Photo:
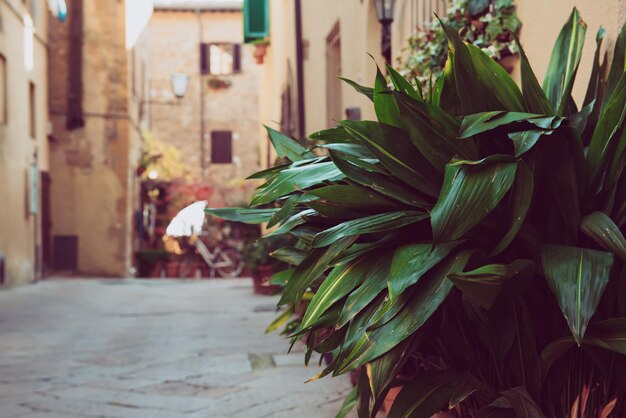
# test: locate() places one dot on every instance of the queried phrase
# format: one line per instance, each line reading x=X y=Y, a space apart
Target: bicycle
x=224 y=259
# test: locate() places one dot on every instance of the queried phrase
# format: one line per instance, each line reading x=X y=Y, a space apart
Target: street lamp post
x=384 y=11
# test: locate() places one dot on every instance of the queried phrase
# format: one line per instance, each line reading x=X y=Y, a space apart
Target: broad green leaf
x=332 y=135
x=604 y=139
x=382 y=371
x=433 y=132
x=400 y=83
x=595 y=80
x=353 y=196
x=281 y=277
x=521 y=197
x=431 y=393
x=298 y=178
x=289 y=255
x=280 y=321
x=410 y=262
x=340 y=281
x=379 y=183
x=481 y=83
x=471 y=189
x=366 y=91
x=534 y=97
x=482 y=122
x=524 y=141
x=496 y=81
x=577 y=276
x=522 y=403
x=268 y=173
x=397 y=153
x=599 y=227
x=288 y=147
x=367 y=225
x=431 y=291
x=311 y=268
x=609 y=334
x=350 y=149
x=384 y=103
x=288 y=208
x=245 y=215
x=294 y=220
x=481 y=285
x=564 y=61
x=375 y=283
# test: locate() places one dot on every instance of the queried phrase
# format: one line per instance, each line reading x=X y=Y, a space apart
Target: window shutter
x=221 y=147
x=205 y=59
x=255 y=19
x=75 y=68
x=236 y=58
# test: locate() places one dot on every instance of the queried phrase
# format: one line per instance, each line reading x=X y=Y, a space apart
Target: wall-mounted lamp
x=384 y=11
x=180 y=81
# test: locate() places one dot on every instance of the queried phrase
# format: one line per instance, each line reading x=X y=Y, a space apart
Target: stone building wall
x=92 y=166
x=175 y=46
x=23 y=48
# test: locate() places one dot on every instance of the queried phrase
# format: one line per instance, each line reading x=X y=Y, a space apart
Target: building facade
x=337 y=36
x=96 y=119
x=215 y=123
x=24 y=168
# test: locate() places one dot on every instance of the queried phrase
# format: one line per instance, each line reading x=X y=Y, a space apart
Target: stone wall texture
x=92 y=167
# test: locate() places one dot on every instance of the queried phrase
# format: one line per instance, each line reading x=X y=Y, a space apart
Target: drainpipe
x=201 y=81
x=300 y=71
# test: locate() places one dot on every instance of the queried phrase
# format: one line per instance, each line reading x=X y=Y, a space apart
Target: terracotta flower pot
x=260 y=279
x=260 y=50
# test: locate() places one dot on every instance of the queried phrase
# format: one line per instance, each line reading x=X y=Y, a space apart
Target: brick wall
x=175 y=39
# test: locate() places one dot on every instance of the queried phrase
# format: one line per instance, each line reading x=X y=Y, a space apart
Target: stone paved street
x=154 y=349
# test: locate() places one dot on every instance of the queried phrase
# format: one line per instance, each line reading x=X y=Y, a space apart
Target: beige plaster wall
x=20 y=232
x=175 y=48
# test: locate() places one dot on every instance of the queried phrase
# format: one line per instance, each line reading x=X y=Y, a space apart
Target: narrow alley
x=154 y=349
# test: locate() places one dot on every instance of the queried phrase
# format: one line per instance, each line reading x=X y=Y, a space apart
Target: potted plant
x=150 y=261
x=490 y=26
x=262 y=266
x=475 y=232
x=216 y=82
x=260 y=49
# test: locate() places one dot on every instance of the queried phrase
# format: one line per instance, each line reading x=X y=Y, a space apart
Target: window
x=32 y=107
x=3 y=90
x=221 y=147
x=220 y=58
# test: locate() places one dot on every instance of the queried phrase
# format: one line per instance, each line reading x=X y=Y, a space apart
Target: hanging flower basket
x=260 y=50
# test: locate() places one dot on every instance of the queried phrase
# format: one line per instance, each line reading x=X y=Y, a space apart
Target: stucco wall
x=175 y=49
x=20 y=232
x=90 y=166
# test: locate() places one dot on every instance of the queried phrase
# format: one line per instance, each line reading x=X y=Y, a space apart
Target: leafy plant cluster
x=468 y=245
x=486 y=24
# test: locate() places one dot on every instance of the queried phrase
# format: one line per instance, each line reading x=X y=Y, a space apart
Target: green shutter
x=256 y=19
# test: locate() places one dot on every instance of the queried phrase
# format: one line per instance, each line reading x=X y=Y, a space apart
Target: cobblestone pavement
x=153 y=349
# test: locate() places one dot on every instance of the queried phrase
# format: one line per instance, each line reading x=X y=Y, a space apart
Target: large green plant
x=469 y=244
